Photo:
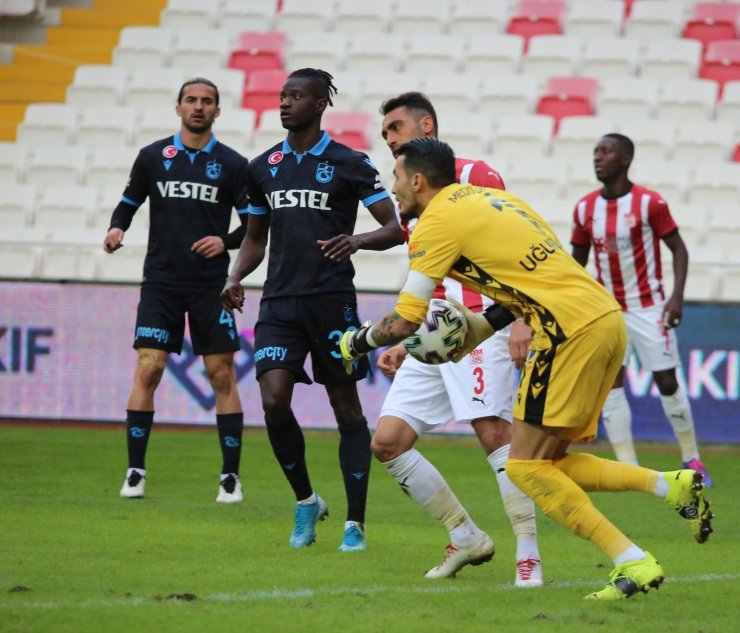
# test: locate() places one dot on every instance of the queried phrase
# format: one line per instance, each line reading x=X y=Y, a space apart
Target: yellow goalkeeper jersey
x=494 y=242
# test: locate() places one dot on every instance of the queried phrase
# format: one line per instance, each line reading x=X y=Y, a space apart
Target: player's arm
x=580 y=240
x=134 y=195
x=580 y=253
x=251 y=253
x=673 y=310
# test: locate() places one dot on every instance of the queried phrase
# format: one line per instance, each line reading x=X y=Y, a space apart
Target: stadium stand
x=665 y=72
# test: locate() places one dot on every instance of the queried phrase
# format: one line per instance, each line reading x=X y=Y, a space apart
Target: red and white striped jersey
x=625 y=233
x=474 y=172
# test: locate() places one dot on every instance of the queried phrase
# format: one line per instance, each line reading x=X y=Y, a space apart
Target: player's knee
x=222 y=378
x=149 y=369
x=493 y=433
x=666 y=382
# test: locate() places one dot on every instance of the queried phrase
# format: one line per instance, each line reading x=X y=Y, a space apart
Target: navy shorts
x=290 y=328
x=160 y=321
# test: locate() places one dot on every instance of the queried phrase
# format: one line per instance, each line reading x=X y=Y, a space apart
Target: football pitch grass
x=76 y=557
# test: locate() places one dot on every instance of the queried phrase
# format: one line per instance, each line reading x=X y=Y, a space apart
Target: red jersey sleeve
x=481 y=174
x=659 y=216
x=579 y=236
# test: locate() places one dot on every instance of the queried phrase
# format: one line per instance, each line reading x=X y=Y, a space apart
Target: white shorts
x=656 y=347
x=481 y=385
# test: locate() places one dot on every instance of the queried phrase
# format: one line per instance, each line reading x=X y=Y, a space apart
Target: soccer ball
x=440 y=335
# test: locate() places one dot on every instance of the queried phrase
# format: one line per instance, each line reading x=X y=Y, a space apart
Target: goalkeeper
x=493 y=242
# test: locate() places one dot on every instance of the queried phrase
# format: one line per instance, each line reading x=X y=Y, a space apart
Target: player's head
x=423 y=167
x=613 y=156
x=197 y=104
x=303 y=98
x=408 y=116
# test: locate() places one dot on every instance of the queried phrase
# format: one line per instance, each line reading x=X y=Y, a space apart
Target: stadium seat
x=95 y=84
x=152 y=86
x=716 y=184
x=155 y=123
x=71 y=254
x=728 y=109
x=234 y=127
x=669 y=178
x=477 y=17
x=384 y=270
x=702 y=282
x=109 y=166
x=56 y=165
x=350 y=128
x=16 y=206
x=523 y=135
x=349 y=86
x=578 y=136
x=493 y=54
x=262 y=91
x=581 y=180
x=297 y=16
x=730 y=284
x=627 y=97
x=374 y=52
x=13 y=158
x=105 y=126
x=269 y=132
x=536 y=178
x=68 y=206
x=692 y=218
x=537 y=17
x=568 y=96
x=670 y=59
x=230 y=82
x=712 y=21
x=379 y=86
x=420 y=17
x=255 y=50
x=316 y=50
x=108 y=198
x=468 y=135
x=653 y=19
x=550 y=55
x=653 y=138
x=19 y=260
x=142 y=47
x=203 y=48
x=238 y=16
x=500 y=95
x=353 y=17
x=610 y=57
x=48 y=123
x=440 y=54
x=687 y=99
x=188 y=14
x=594 y=18
x=722 y=62
x=453 y=93
x=125 y=265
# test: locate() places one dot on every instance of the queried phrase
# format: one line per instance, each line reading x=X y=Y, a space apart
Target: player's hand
x=113 y=241
x=390 y=360
x=479 y=329
x=209 y=246
x=672 y=313
x=338 y=247
x=232 y=296
x=348 y=350
x=520 y=339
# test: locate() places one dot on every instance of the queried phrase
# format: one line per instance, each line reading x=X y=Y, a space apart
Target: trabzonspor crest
x=213 y=169
x=324 y=173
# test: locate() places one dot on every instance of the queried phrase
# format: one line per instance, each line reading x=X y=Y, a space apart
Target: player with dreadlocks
x=304 y=193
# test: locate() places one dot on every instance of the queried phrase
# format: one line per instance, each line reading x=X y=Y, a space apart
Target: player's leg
x=280 y=351
x=617 y=417
x=657 y=349
x=160 y=326
x=481 y=388
x=416 y=402
x=214 y=336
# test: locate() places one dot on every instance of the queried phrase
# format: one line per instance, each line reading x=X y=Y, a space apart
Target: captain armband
x=498 y=316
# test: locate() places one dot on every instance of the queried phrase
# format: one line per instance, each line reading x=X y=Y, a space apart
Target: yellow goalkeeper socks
x=596 y=474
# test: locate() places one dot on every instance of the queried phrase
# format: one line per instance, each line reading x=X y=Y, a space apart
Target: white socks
x=618 y=424
x=631 y=553
x=518 y=506
x=678 y=411
x=424 y=484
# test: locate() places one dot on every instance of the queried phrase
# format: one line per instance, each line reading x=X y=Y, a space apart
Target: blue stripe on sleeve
x=243 y=211
x=257 y=210
x=381 y=195
x=131 y=202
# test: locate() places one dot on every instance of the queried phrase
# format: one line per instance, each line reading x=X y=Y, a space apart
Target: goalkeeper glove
x=481 y=325
x=354 y=345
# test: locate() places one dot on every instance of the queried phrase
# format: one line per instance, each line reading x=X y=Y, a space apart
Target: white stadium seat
x=200 y=48
x=716 y=184
x=523 y=135
x=477 y=17
x=349 y=86
x=16 y=206
x=71 y=254
x=230 y=83
x=669 y=178
x=65 y=206
x=240 y=16
x=155 y=124
x=48 y=123
x=491 y=55
x=142 y=47
x=385 y=270
x=577 y=136
x=97 y=84
x=670 y=58
x=420 y=17
x=687 y=99
x=536 y=178
x=454 y=93
x=703 y=141
x=594 y=18
x=105 y=126
x=380 y=86
x=503 y=94
x=187 y=14
x=155 y=86
x=551 y=55
x=125 y=265
x=627 y=97
x=13 y=158
x=299 y=16
x=269 y=132
x=609 y=56
x=581 y=180
x=234 y=128
x=439 y=54
x=468 y=135
x=653 y=138
x=651 y=19
x=728 y=109
x=316 y=50
x=19 y=260
x=56 y=165
x=374 y=52
x=359 y=16
x=110 y=166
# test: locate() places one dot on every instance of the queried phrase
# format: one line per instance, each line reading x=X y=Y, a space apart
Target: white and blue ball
x=440 y=336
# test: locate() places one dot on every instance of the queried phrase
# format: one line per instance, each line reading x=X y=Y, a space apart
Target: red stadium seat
x=259 y=51
x=262 y=91
x=568 y=96
x=721 y=62
x=712 y=21
x=351 y=128
x=736 y=154
x=537 y=17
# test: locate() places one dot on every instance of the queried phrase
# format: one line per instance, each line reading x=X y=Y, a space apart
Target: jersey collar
x=207 y=149
x=316 y=150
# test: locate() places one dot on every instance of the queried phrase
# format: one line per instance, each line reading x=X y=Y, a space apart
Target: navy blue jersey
x=191 y=195
x=309 y=197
